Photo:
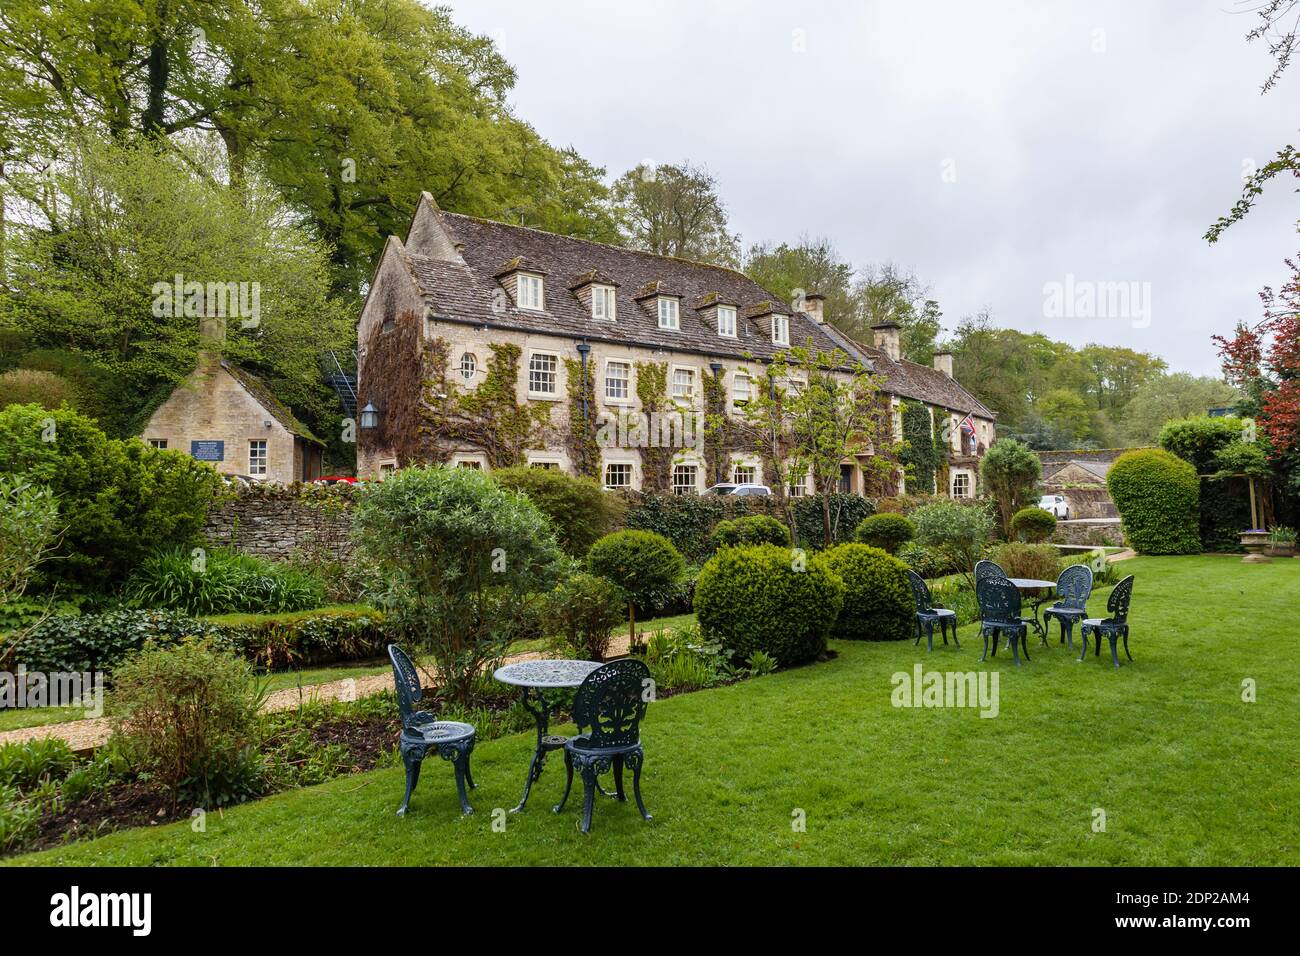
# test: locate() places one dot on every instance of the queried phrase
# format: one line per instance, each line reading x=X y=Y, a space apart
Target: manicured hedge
x=75 y=643
x=751 y=529
x=687 y=520
x=770 y=599
x=887 y=531
x=1158 y=497
x=878 y=604
x=1032 y=524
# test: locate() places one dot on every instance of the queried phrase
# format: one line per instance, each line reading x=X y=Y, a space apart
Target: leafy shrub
x=23 y=386
x=97 y=642
x=924 y=561
x=760 y=664
x=1213 y=446
x=751 y=529
x=1198 y=440
x=218 y=581
x=18 y=818
x=680 y=659
x=1009 y=472
x=306 y=638
x=1039 y=561
x=25 y=765
x=117 y=500
x=462 y=556
x=687 y=520
x=878 y=603
x=582 y=613
x=29 y=525
x=1158 y=498
x=640 y=562
x=886 y=531
x=188 y=716
x=672 y=599
x=956 y=534
x=1103 y=572
x=580 y=509
x=1033 y=524
x=753 y=599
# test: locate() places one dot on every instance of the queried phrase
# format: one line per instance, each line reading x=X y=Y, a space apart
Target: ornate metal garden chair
x=609 y=705
x=1115 y=626
x=421 y=732
x=1073 y=588
x=927 y=614
x=986 y=570
x=999 y=603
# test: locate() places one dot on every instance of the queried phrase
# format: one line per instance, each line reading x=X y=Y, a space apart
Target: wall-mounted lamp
x=369 y=416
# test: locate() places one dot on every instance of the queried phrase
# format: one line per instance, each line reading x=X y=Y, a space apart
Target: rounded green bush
x=887 y=531
x=1034 y=525
x=751 y=529
x=878 y=603
x=1158 y=496
x=769 y=599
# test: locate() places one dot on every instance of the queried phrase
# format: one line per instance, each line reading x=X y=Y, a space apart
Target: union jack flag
x=968 y=426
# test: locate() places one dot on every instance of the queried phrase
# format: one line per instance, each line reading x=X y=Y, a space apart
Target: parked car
x=727 y=488
x=1056 y=504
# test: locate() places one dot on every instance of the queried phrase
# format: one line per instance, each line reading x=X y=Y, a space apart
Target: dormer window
x=668 y=317
x=727 y=321
x=602 y=302
x=528 y=294
x=780 y=329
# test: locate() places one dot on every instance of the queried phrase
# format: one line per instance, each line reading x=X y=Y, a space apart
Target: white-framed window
x=727 y=321
x=745 y=474
x=961 y=484
x=470 y=463
x=795 y=387
x=159 y=443
x=618 y=474
x=685 y=479
x=528 y=292
x=780 y=330
x=799 y=487
x=386 y=468
x=602 y=302
x=668 y=318
x=742 y=389
x=683 y=384
x=543 y=374
x=618 y=381
x=257 y=456
x=468 y=365
x=544 y=464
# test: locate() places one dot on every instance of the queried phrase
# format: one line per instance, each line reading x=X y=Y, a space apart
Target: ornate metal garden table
x=535 y=678
x=1033 y=584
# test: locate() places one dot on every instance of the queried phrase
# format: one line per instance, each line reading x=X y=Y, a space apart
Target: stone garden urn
x=1256 y=542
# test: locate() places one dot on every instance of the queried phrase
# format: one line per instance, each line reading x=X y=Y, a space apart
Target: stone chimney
x=212 y=336
x=886 y=338
x=943 y=362
x=812 y=307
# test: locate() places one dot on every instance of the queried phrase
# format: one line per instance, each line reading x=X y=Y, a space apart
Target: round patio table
x=535 y=678
x=1033 y=584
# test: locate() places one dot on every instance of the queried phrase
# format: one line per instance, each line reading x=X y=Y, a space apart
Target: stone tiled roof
x=467 y=292
x=910 y=380
x=274 y=407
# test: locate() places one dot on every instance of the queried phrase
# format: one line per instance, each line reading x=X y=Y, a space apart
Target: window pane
x=541 y=374
x=616 y=381
x=684 y=479
x=257 y=457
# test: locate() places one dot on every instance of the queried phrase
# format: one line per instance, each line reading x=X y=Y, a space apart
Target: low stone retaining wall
x=1090 y=533
x=1089 y=502
x=277 y=521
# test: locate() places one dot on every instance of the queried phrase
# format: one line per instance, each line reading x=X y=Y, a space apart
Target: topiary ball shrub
x=752 y=529
x=878 y=603
x=1034 y=525
x=757 y=599
x=887 y=531
x=1158 y=497
x=642 y=563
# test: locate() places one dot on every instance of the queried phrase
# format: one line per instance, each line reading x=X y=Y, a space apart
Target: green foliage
x=878 y=603
x=29 y=525
x=1243 y=458
x=924 y=561
x=1103 y=572
x=117 y=499
x=1033 y=524
x=1039 y=561
x=1009 y=472
x=305 y=638
x=680 y=659
x=641 y=563
x=25 y=386
x=188 y=715
x=1199 y=440
x=1215 y=448
x=766 y=598
x=955 y=534
x=887 y=531
x=26 y=765
x=751 y=529
x=688 y=520
x=674 y=210
x=97 y=642
x=462 y=556
x=580 y=509
x=921 y=455
x=1158 y=497
x=581 y=614
x=218 y=581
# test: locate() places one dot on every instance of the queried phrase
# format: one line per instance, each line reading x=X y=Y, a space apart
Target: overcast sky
x=992 y=147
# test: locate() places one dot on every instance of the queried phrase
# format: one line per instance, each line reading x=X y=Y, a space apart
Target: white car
x=727 y=488
x=1057 y=505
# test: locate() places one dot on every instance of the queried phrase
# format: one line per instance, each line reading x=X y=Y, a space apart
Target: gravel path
x=84 y=735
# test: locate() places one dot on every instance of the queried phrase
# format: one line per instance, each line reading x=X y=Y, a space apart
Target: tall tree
x=674 y=210
x=809 y=265
x=887 y=293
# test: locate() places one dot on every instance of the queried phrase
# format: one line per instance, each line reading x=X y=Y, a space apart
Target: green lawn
x=1185 y=771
